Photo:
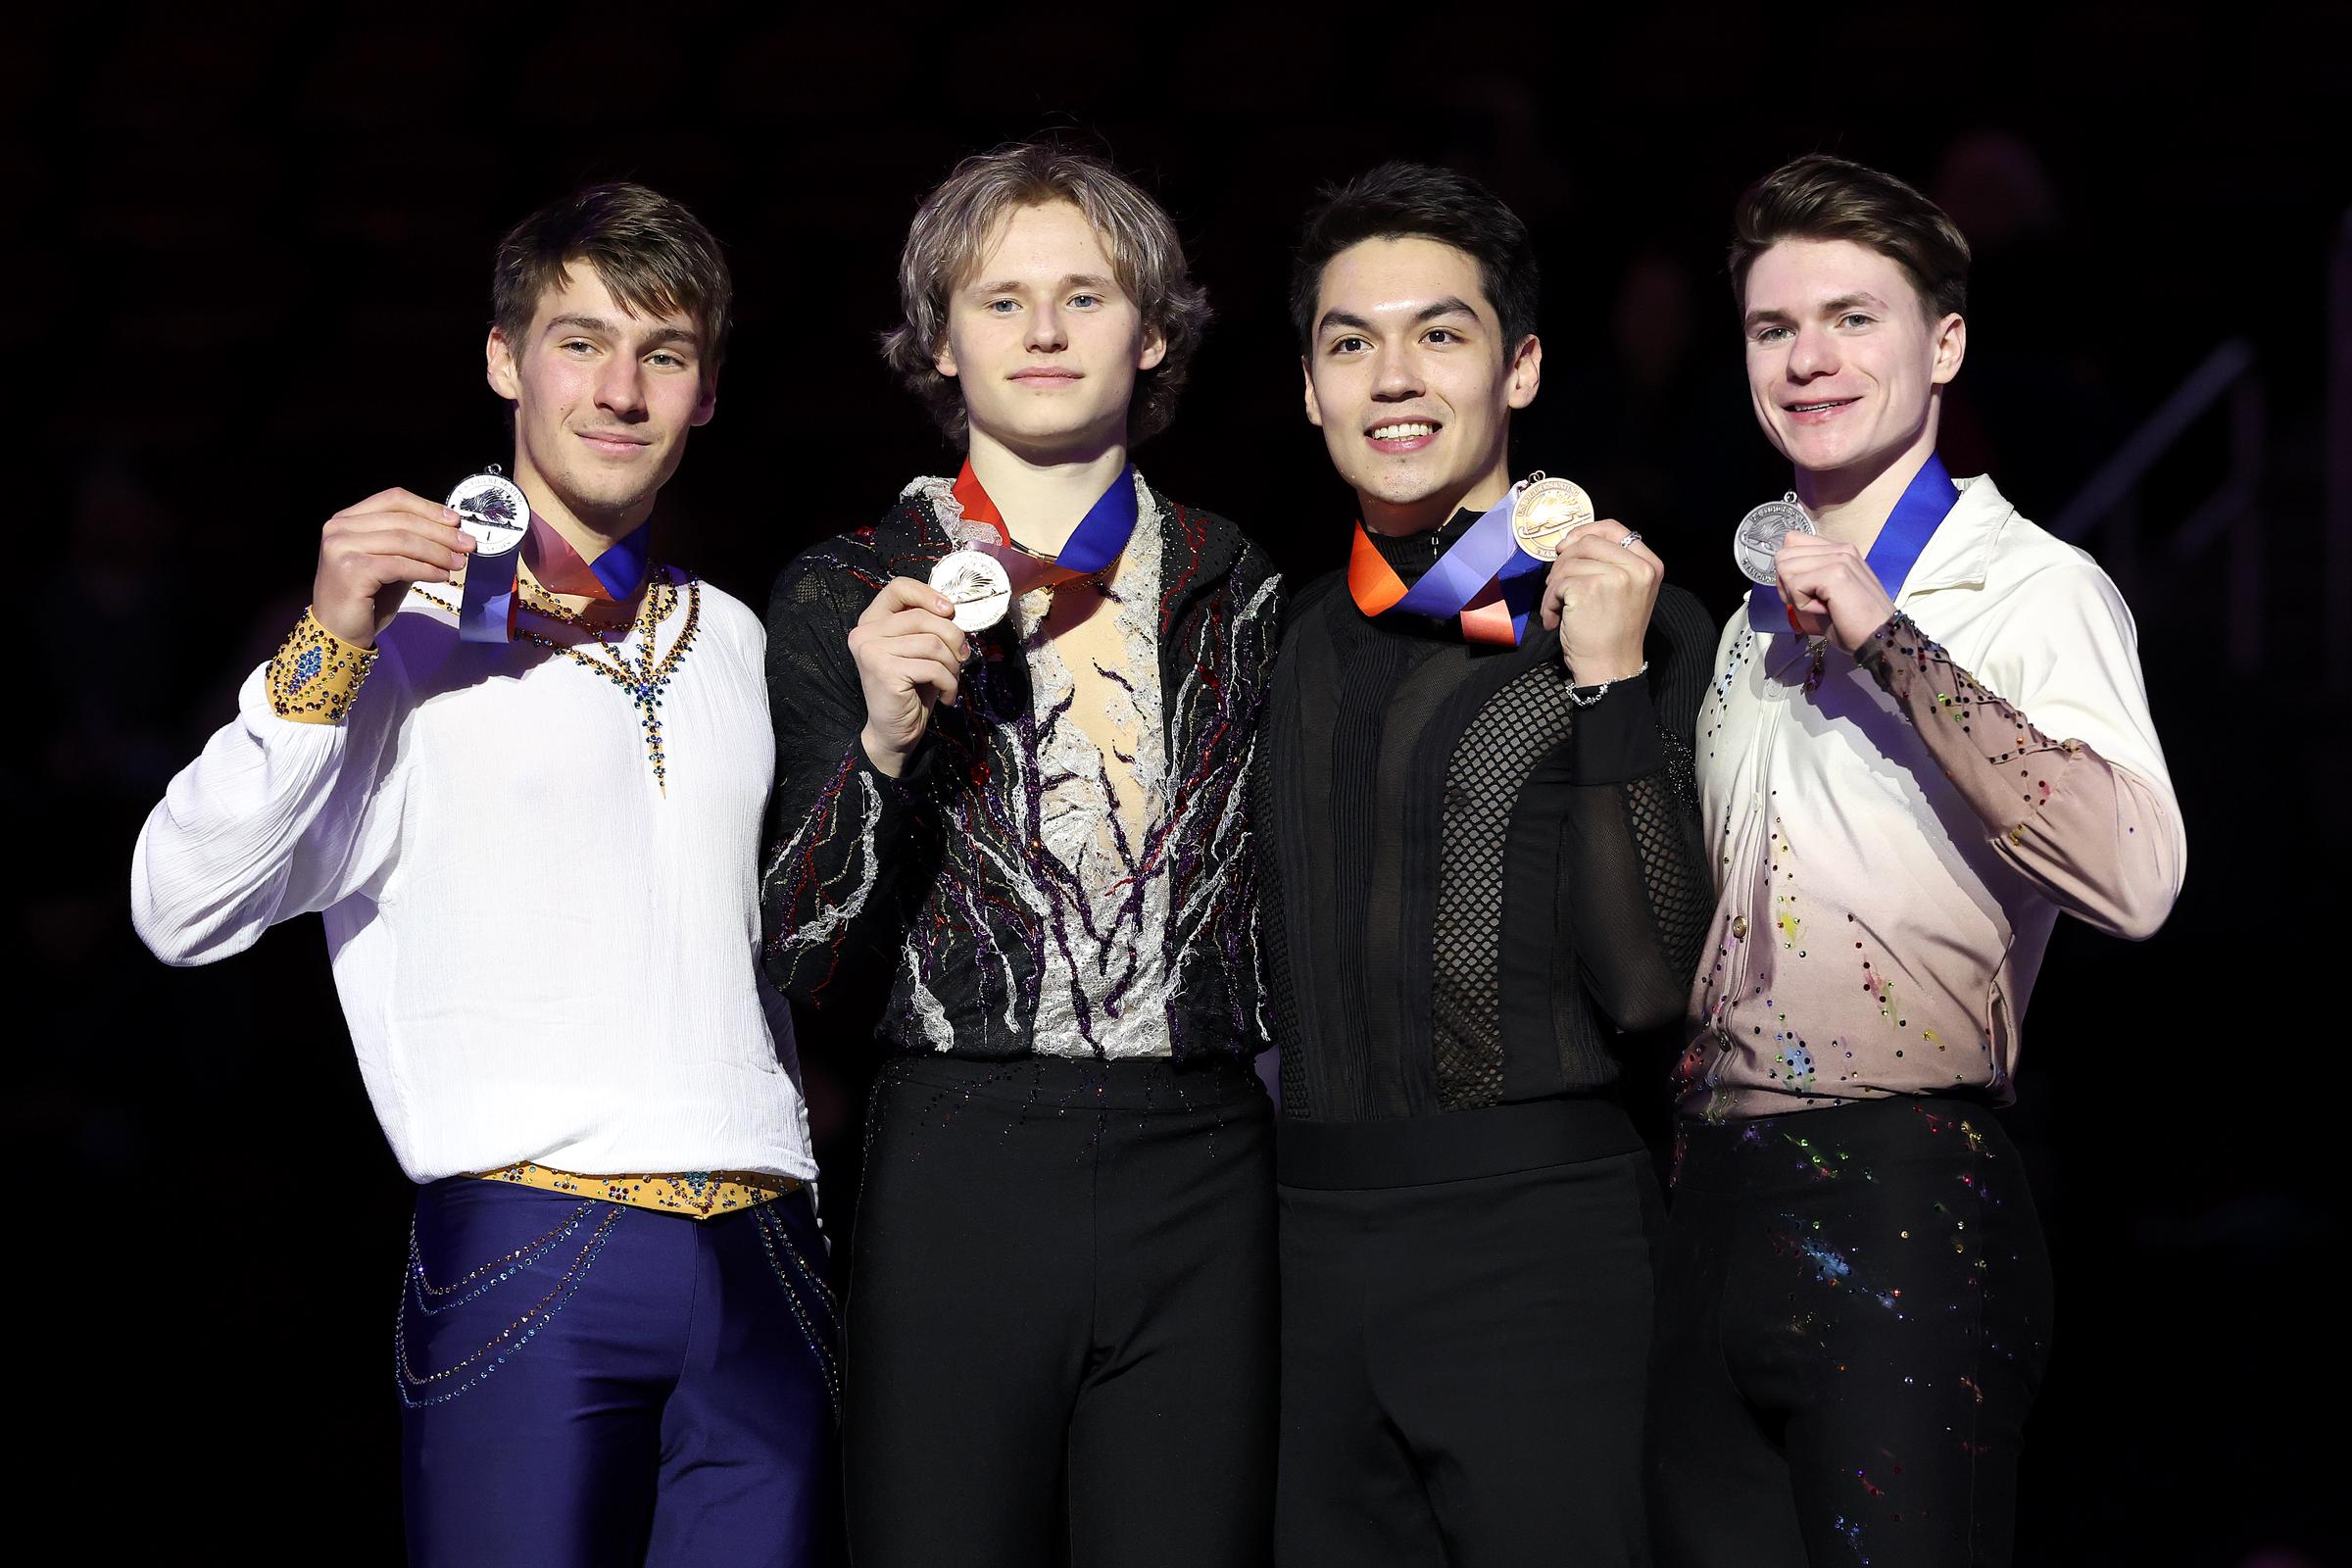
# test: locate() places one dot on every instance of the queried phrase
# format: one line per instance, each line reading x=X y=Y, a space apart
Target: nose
x=1396 y=377
x=620 y=389
x=1045 y=334
x=1814 y=352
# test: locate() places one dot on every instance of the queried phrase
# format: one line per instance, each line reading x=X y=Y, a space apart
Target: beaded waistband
x=695 y=1194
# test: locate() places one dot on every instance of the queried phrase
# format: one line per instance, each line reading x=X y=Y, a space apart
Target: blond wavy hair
x=960 y=216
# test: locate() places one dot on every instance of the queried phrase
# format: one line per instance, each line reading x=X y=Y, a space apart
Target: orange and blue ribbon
x=1101 y=535
x=1484 y=579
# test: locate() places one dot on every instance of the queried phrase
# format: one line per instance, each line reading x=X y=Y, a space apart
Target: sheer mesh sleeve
x=1634 y=838
x=837 y=827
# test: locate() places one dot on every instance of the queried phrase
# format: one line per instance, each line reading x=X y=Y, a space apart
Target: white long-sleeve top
x=1894 y=839
x=541 y=957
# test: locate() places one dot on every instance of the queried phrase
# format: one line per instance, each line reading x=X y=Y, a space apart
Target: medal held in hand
x=1545 y=510
x=975 y=585
x=1757 y=543
x=492 y=508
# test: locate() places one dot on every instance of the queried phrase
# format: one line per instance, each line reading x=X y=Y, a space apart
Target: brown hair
x=944 y=243
x=654 y=254
x=1820 y=197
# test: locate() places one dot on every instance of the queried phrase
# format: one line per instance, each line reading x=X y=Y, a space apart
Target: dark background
x=252 y=261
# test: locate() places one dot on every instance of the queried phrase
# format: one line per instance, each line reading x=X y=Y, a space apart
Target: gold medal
x=1546 y=511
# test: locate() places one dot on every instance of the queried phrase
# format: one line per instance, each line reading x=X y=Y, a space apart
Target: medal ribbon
x=1485 y=578
x=1917 y=513
x=1101 y=535
x=618 y=570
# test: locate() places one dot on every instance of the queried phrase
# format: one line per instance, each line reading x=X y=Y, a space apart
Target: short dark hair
x=1820 y=197
x=652 y=253
x=959 y=217
x=1409 y=201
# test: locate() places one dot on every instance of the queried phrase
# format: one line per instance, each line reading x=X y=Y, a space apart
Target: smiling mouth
x=607 y=438
x=1819 y=408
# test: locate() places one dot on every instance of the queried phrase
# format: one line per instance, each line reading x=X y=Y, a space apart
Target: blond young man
x=1062 y=1320
x=615 y=1341
x=1928 y=738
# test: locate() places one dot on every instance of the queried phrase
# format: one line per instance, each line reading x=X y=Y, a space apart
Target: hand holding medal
x=368 y=554
x=909 y=646
x=1829 y=590
x=1603 y=584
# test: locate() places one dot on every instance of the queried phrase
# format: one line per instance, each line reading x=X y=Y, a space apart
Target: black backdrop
x=251 y=260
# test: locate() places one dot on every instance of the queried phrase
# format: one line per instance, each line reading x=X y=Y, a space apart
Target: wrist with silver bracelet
x=1578 y=695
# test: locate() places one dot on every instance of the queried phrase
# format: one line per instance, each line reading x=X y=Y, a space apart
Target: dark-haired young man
x=1482 y=858
x=1013 y=720
x=1854 y=1295
x=532 y=833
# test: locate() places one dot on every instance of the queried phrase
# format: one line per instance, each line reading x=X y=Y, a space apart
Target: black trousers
x=1062 y=1317
x=1463 y=1364
x=1853 y=1318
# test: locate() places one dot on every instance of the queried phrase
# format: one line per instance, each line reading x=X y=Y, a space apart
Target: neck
x=589 y=530
x=1045 y=495
x=1851 y=505
x=1398 y=519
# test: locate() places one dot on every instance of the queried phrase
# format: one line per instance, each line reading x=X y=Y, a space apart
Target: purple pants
x=587 y=1383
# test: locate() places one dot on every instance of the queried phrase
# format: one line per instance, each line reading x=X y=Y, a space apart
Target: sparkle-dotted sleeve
x=1635 y=855
x=2102 y=839
x=838 y=827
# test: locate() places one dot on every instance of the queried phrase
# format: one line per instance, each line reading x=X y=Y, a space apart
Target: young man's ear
x=1951 y=346
x=1154 y=349
x=706 y=403
x=498 y=367
x=1315 y=409
x=1526 y=372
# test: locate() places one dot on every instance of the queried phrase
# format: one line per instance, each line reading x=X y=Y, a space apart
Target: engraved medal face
x=491 y=507
x=1546 y=511
x=1758 y=539
x=976 y=585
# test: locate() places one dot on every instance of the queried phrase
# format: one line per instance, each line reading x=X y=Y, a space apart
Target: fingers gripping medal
x=975 y=586
x=491 y=507
x=1547 y=509
x=1757 y=543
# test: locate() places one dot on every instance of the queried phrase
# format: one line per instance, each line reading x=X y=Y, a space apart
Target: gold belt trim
x=695 y=1194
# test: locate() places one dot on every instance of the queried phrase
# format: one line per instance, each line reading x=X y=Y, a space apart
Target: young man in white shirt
x=1927 y=738
x=533 y=845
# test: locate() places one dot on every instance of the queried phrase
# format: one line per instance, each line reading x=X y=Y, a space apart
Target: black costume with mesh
x=1467 y=879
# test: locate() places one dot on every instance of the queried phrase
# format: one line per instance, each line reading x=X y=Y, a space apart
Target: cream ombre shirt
x=1892 y=847
x=541 y=955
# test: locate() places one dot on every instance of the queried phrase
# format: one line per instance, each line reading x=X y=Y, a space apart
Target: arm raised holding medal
x=909 y=650
x=370 y=552
x=1829 y=590
x=1599 y=597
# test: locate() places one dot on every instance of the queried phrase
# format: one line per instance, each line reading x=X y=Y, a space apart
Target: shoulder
x=722 y=613
x=841 y=574
x=1684 y=621
x=2029 y=568
x=1212 y=545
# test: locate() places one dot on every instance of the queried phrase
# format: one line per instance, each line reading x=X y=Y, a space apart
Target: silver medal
x=491 y=507
x=976 y=585
x=1758 y=541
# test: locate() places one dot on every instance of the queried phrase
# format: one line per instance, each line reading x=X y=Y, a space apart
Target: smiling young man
x=534 y=838
x=1062 y=1318
x=1926 y=738
x=1482 y=860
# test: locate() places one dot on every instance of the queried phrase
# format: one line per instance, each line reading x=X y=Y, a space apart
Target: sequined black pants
x=1062 y=1317
x=1853 y=1318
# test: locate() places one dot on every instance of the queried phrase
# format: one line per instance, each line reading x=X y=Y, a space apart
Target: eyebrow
x=1450 y=304
x=598 y=324
x=1073 y=280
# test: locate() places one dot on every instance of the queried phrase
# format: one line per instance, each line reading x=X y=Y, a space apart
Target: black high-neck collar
x=1410 y=555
